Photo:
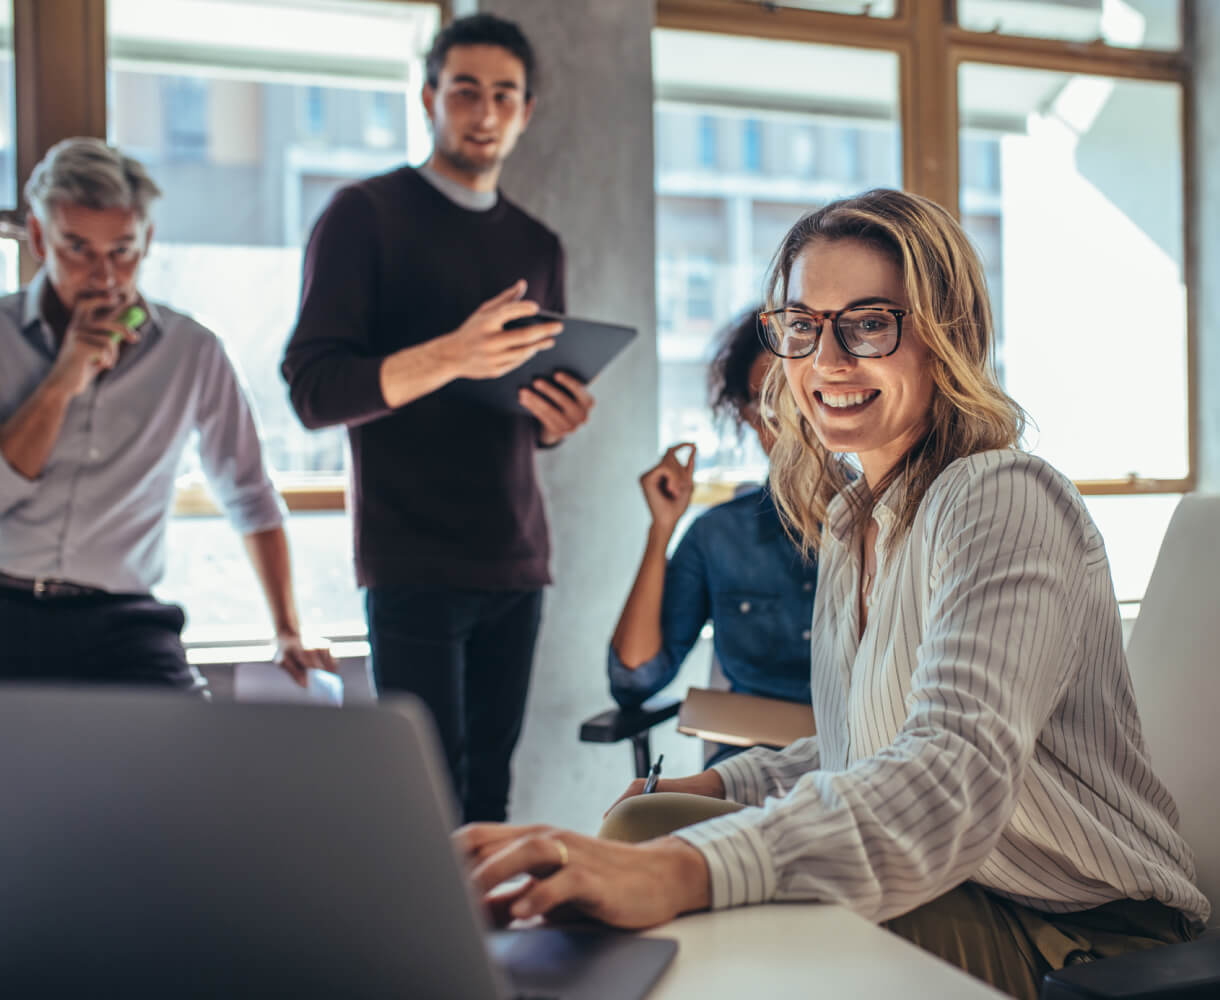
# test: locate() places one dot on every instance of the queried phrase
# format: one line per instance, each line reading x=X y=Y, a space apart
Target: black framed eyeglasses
x=862 y=331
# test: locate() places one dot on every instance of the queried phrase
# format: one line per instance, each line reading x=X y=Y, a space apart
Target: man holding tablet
x=409 y=281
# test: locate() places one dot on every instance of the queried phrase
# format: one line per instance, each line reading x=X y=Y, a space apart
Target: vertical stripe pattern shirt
x=982 y=728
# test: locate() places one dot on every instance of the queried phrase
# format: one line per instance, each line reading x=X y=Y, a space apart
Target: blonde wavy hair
x=947 y=295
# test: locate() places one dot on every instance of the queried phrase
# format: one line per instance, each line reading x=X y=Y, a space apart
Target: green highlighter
x=132 y=318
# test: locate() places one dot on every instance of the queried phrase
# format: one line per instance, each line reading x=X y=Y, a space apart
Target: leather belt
x=47 y=589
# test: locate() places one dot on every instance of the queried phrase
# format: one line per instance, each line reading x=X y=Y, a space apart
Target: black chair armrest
x=1176 y=971
x=616 y=724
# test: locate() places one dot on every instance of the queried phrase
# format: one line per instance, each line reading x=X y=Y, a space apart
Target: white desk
x=801 y=950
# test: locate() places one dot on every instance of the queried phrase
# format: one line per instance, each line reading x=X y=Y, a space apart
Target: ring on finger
x=563 y=851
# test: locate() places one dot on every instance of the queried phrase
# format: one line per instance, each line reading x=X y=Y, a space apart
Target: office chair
x=1174 y=657
x=714 y=713
x=633 y=724
x=636 y=724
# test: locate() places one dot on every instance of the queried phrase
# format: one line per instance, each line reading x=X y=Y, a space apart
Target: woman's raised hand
x=668 y=485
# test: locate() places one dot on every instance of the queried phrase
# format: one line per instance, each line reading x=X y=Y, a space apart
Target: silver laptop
x=154 y=845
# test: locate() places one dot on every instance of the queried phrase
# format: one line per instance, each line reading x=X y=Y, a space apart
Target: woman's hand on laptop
x=625 y=885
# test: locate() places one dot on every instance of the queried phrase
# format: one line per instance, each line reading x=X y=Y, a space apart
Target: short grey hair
x=88 y=172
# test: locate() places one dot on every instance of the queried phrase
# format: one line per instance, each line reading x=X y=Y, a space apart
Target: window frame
x=931 y=48
x=59 y=52
x=60 y=84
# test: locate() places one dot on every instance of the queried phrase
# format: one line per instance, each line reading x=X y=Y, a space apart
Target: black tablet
x=583 y=349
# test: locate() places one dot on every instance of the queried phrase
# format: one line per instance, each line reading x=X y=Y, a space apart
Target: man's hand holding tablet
x=550 y=383
x=560 y=403
x=493 y=341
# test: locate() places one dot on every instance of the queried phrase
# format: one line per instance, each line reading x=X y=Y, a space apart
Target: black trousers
x=467 y=654
x=101 y=638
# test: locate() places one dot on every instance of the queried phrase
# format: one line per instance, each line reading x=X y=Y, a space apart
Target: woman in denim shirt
x=734 y=566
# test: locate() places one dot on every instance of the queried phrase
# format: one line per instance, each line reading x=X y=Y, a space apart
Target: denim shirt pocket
x=749 y=638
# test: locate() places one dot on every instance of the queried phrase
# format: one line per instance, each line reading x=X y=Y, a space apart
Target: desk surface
x=801 y=950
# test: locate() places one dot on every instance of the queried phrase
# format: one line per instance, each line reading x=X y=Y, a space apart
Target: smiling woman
x=933 y=398
x=859 y=400
x=966 y=649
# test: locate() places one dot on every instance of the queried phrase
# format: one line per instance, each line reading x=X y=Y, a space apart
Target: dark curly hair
x=728 y=379
x=482 y=29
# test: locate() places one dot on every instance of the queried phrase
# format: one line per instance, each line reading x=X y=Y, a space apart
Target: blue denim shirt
x=735 y=566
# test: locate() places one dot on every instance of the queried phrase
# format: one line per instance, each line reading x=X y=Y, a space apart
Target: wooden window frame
x=59 y=57
x=930 y=47
x=59 y=51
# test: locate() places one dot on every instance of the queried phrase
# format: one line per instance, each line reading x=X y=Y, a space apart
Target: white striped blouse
x=983 y=728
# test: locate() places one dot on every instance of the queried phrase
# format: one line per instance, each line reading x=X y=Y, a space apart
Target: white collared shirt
x=97 y=514
x=983 y=728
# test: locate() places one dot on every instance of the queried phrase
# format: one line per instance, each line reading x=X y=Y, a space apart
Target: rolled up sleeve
x=15 y=489
x=230 y=450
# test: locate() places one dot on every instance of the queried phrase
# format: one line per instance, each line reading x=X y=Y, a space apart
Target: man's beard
x=467 y=165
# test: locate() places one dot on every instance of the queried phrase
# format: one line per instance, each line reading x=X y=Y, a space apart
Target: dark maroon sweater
x=444 y=492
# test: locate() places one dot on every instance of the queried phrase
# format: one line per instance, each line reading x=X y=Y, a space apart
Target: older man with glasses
x=100 y=392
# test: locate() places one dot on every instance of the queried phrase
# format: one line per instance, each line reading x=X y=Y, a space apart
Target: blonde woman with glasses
x=978 y=783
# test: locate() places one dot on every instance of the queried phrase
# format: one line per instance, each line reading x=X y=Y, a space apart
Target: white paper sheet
x=269 y=682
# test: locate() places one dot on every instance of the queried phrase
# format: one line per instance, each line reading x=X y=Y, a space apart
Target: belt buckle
x=40 y=588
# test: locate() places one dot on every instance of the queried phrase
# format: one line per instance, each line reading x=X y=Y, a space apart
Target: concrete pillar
x=1206 y=126
x=585 y=167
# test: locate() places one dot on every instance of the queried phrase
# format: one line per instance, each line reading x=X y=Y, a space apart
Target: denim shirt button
x=744 y=607
x=807 y=634
x=807 y=585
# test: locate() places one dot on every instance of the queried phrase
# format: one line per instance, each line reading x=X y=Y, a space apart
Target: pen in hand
x=654 y=772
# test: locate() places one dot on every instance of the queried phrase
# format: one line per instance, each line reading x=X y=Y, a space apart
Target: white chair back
x=1174 y=656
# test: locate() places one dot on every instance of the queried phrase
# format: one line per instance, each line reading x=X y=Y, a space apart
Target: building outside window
x=803 y=139
x=184 y=101
x=277 y=104
x=751 y=145
x=1069 y=182
x=269 y=109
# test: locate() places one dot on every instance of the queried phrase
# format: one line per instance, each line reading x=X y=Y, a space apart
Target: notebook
x=744 y=720
x=156 y=845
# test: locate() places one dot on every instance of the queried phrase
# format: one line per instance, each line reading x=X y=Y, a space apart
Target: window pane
x=1133 y=528
x=249 y=115
x=740 y=156
x=9 y=280
x=1072 y=191
x=1072 y=188
x=207 y=572
x=1132 y=24
x=8 y=115
x=869 y=8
